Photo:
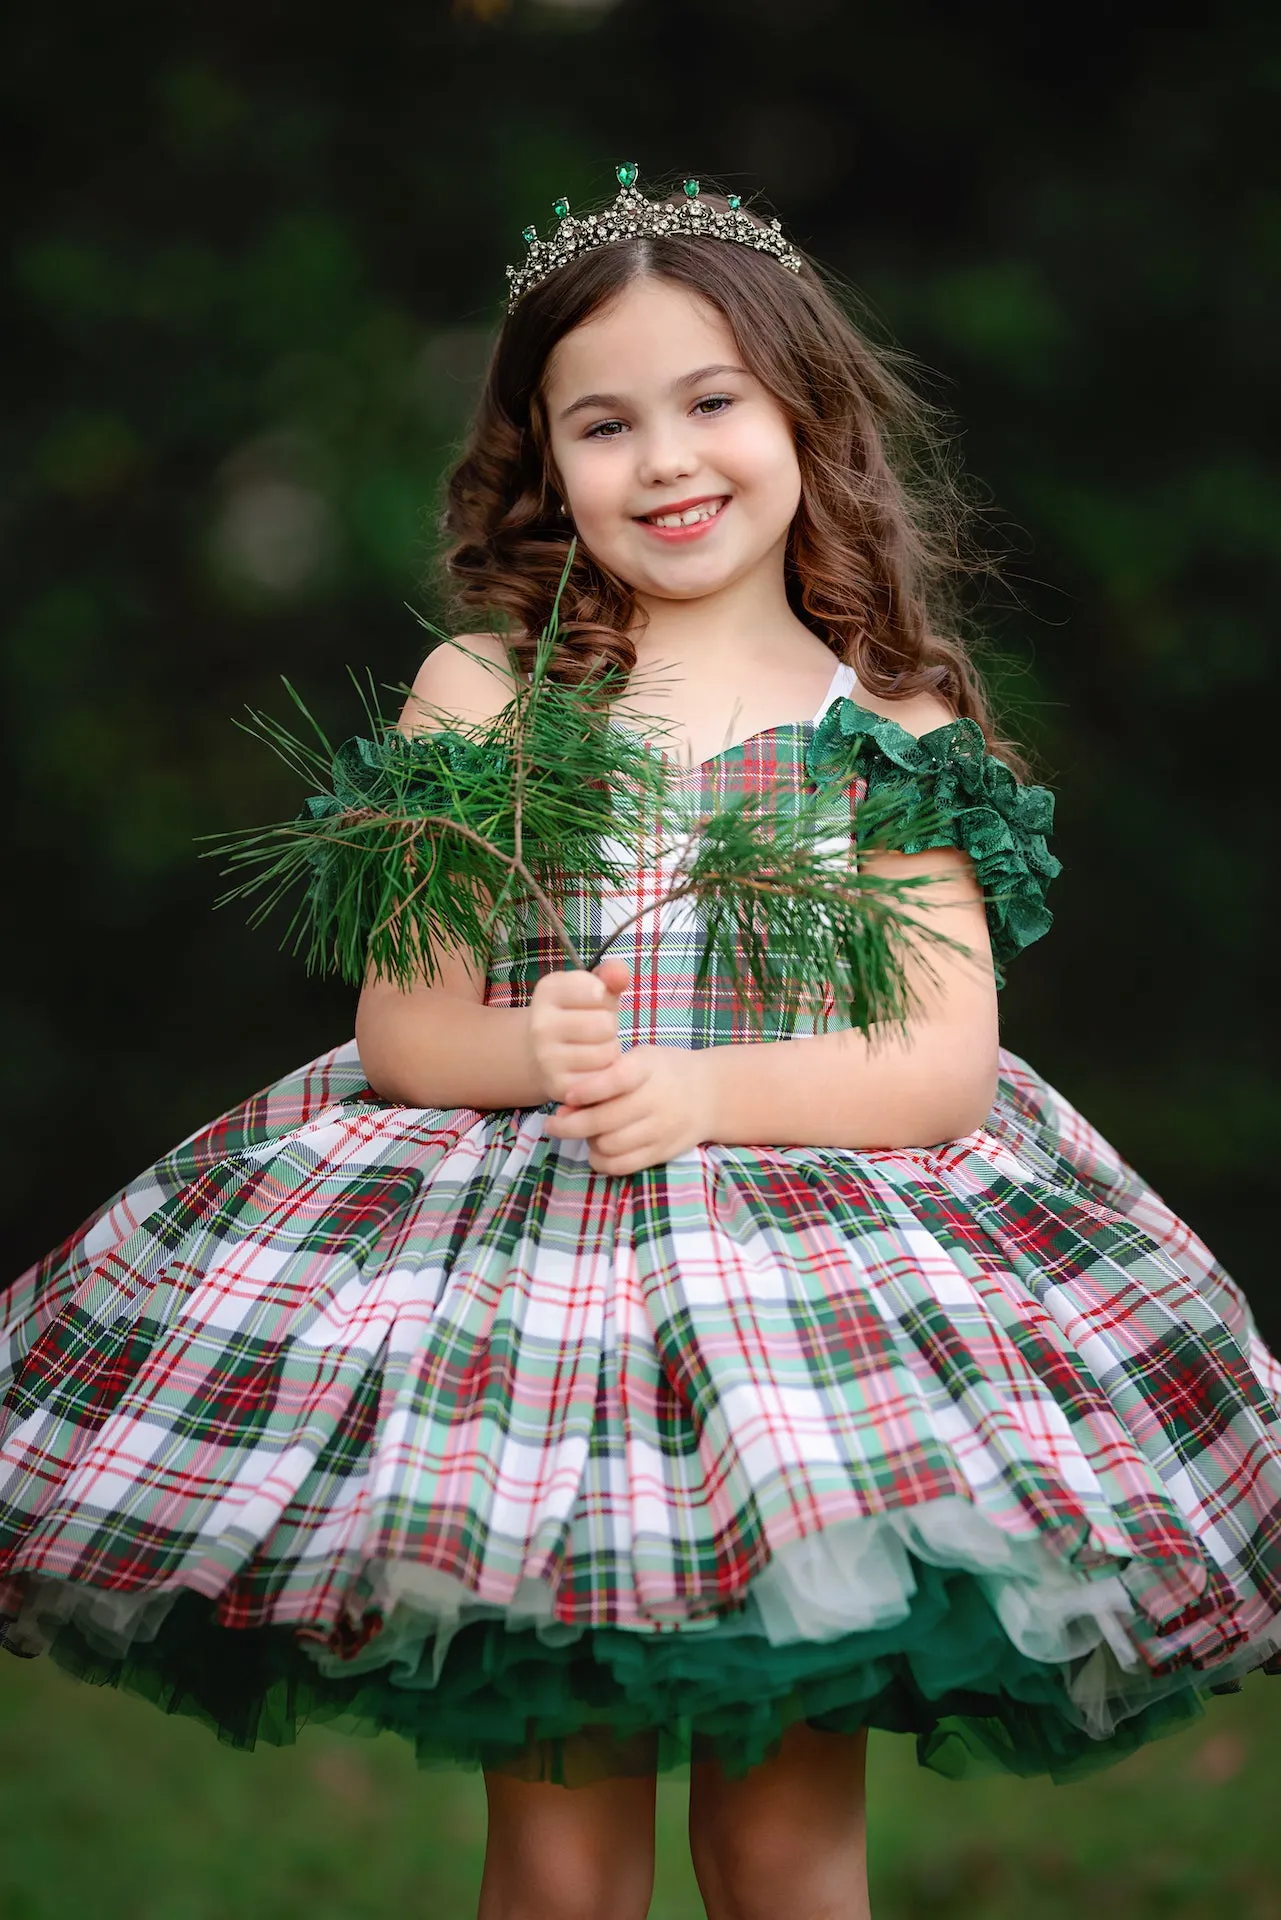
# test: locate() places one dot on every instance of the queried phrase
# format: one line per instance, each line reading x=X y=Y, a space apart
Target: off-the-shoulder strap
x=981 y=807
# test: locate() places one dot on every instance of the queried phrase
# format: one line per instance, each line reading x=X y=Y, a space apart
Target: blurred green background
x=255 y=258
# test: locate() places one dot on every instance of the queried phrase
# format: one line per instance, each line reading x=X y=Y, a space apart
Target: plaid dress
x=406 y=1418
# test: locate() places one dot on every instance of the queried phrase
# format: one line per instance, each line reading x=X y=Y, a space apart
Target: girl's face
x=678 y=467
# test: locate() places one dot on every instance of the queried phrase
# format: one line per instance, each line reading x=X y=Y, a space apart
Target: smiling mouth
x=689 y=516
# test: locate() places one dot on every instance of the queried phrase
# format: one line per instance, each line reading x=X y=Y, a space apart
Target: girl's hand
x=573 y=1024
x=652 y=1104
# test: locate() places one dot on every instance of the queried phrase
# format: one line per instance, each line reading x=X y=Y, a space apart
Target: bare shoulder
x=468 y=679
x=919 y=713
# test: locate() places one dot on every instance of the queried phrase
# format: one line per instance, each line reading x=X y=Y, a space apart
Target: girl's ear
x=554 y=493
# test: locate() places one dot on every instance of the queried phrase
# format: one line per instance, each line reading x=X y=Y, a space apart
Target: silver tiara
x=633 y=217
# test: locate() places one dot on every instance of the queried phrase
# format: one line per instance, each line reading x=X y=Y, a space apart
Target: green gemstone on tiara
x=560 y=207
x=735 y=201
x=529 y=235
x=628 y=173
x=691 y=189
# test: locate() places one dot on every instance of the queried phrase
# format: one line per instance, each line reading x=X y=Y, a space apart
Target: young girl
x=580 y=1381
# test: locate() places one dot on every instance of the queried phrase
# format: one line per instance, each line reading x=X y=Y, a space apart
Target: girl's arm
x=839 y=1089
x=440 y=1045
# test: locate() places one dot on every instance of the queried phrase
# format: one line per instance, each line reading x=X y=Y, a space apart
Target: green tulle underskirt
x=506 y=1700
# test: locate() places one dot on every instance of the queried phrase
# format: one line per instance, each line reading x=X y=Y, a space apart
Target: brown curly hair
x=874 y=552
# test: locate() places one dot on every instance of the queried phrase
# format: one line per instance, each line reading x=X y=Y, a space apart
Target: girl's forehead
x=650 y=331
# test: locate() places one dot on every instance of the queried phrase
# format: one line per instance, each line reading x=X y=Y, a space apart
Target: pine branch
x=439 y=839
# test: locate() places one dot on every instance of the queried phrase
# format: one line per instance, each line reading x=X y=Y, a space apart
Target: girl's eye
x=708 y=408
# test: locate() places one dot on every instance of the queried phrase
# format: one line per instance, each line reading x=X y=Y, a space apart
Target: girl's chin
x=683 y=573
x=683 y=583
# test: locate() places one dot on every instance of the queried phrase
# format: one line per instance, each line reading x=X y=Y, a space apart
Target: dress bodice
x=662 y=943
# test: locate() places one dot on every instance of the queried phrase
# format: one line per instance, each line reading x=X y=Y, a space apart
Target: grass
x=111 y=1811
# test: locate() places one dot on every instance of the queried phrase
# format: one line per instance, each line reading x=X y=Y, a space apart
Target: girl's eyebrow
x=619 y=400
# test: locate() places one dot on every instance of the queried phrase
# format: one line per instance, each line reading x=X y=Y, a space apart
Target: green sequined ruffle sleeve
x=984 y=809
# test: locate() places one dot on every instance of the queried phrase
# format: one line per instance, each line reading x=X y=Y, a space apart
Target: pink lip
x=698 y=527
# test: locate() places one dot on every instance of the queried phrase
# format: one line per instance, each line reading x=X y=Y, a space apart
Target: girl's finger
x=587 y=1122
x=586 y=1089
x=631 y=1162
x=625 y=1141
x=600 y=1083
x=576 y=1123
x=615 y=973
x=586 y=1027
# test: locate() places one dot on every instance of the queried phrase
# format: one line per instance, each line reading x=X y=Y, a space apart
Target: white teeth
x=706 y=511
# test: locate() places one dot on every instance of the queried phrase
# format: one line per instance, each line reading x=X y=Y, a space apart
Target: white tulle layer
x=853 y=1577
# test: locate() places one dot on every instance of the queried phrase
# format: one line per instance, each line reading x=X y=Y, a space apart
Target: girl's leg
x=582 y=1852
x=790 y=1837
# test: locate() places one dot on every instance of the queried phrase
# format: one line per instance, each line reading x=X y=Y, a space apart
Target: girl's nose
x=665 y=458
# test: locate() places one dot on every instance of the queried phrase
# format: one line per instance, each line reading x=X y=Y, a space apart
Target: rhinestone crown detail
x=633 y=217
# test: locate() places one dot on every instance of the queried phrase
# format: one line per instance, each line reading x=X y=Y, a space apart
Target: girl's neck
x=749 y=619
